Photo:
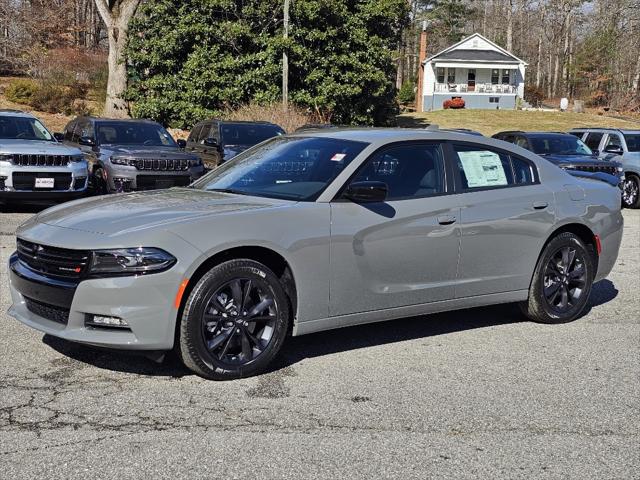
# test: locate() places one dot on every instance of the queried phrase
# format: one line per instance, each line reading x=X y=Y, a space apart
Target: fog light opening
x=104 y=321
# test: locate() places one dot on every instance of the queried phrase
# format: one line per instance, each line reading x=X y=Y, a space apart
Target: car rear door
x=505 y=216
x=403 y=251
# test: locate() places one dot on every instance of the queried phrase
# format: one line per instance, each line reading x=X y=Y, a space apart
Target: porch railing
x=479 y=88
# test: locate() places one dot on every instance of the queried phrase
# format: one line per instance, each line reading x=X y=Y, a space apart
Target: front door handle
x=446 y=219
x=540 y=205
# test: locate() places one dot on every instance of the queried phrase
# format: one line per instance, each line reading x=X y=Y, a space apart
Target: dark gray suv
x=128 y=155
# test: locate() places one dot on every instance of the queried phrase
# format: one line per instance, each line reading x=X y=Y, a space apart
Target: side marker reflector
x=598 y=244
x=181 y=290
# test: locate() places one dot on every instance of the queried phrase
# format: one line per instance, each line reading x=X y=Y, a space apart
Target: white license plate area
x=44 y=183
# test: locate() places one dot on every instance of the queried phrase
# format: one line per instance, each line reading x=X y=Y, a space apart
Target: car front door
x=505 y=215
x=403 y=251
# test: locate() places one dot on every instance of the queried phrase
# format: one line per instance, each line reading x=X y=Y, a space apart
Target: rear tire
x=234 y=322
x=631 y=192
x=561 y=282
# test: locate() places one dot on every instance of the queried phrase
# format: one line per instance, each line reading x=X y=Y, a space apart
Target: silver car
x=34 y=166
x=315 y=231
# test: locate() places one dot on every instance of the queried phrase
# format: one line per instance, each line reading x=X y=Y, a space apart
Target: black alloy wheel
x=234 y=321
x=562 y=280
x=631 y=192
x=238 y=321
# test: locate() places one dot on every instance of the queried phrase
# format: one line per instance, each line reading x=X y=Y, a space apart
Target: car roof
x=608 y=129
x=125 y=120
x=239 y=122
x=535 y=134
x=9 y=112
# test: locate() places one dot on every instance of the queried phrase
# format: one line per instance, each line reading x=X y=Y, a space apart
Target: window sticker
x=338 y=157
x=482 y=169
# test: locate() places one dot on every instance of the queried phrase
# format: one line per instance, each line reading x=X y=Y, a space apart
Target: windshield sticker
x=338 y=157
x=482 y=169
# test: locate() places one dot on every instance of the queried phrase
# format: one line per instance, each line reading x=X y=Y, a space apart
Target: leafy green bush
x=407 y=93
x=21 y=91
x=193 y=59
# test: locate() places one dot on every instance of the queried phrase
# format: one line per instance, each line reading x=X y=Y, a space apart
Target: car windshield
x=559 y=145
x=291 y=168
x=247 y=134
x=633 y=141
x=133 y=133
x=23 y=128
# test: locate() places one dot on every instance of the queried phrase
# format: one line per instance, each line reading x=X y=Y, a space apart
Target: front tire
x=234 y=322
x=631 y=192
x=561 y=282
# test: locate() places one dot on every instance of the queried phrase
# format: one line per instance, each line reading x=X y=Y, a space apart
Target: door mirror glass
x=368 y=191
x=181 y=143
x=211 y=142
x=87 y=141
x=615 y=149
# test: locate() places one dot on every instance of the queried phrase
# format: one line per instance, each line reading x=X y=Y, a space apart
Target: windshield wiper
x=226 y=190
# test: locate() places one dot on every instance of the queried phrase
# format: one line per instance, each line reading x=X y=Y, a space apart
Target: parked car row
x=96 y=155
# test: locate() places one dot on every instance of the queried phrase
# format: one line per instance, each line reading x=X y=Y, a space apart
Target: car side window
x=522 y=142
x=613 y=140
x=593 y=140
x=204 y=133
x=523 y=171
x=85 y=129
x=483 y=168
x=193 y=136
x=68 y=131
x=409 y=171
x=75 y=137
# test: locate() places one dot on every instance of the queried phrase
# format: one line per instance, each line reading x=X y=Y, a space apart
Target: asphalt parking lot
x=471 y=394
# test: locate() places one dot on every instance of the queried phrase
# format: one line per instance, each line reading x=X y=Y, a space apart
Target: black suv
x=216 y=141
x=568 y=153
x=127 y=155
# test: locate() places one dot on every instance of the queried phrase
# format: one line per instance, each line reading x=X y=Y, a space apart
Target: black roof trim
x=476 y=55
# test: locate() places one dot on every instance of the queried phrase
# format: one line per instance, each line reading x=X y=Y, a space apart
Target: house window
x=451 y=75
x=440 y=74
x=494 y=99
x=495 y=76
x=506 y=76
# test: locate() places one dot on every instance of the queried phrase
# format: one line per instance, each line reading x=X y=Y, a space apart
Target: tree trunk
x=509 y=25
x=116 y=16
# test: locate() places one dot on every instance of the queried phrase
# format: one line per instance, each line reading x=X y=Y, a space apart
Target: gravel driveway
x=469 y=394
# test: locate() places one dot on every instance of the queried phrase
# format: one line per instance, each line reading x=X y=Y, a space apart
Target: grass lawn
x=489 y=122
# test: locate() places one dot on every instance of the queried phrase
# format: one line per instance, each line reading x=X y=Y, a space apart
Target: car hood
x=121 y=214
x=40 y=147
x=141 y=151
x=575 y=160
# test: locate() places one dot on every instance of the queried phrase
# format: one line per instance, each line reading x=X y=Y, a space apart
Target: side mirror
x=211 y=142
x=181 y=143
x=363 y=192
x=615 y=149
x=58 y=136
x=87 y=141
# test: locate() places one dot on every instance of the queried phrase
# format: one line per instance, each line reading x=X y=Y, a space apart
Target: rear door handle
x=540 y=205
x=446 y=219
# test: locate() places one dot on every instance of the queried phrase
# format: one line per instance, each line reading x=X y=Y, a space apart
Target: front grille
x=38 y=160
x=160 y=164
x=611 y=170
x=27 y=180
x=53 y=261
x=153 y=182
x=45 y=310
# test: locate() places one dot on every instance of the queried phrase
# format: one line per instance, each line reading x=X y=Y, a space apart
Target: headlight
x=619 y=169
x=77 y=158
x=6 y=158
x=130 y=261
x=119 y=161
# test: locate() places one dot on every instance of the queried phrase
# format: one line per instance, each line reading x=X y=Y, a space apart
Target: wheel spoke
x=260 y=307
x=261 y=318
x=577 y=273
x=247 y=351
x=565 y=259
x=551 y=289
x=253 y=338
x=216 y=341
x=236 y=292
x=564 y=300
x=226 y=345
x=245 y=296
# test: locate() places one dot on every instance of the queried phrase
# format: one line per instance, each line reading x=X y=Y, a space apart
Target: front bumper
x=145 y=302
x=122 y=178
x=18 y=182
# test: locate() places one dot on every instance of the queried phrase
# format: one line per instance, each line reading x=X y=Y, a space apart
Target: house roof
x=477 y=55
x=453 y=53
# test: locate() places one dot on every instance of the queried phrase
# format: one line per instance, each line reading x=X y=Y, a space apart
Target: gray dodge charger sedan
x=315 y=231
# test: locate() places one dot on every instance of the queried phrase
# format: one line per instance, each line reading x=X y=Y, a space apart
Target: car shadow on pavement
x=329 y=342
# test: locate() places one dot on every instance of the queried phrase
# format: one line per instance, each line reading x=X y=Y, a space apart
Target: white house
x=476 y=69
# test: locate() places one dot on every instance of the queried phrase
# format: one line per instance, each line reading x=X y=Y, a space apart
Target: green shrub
x=21 y=91
x=406 y=94
x=53 y=99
